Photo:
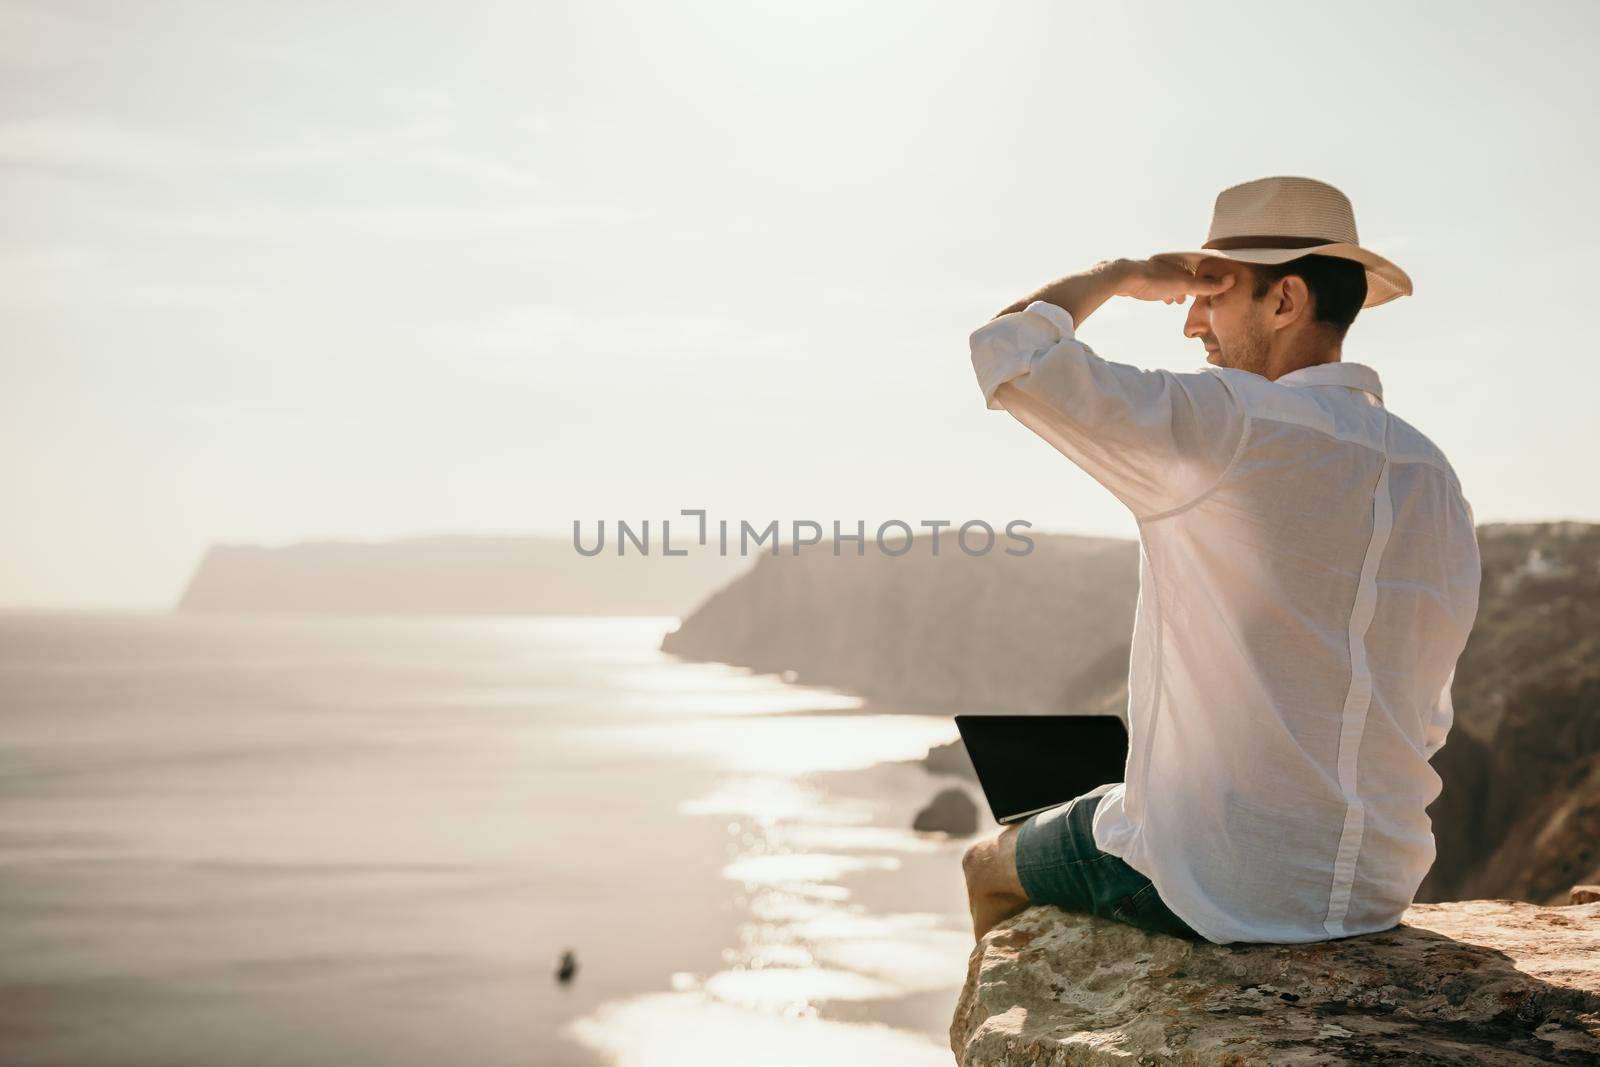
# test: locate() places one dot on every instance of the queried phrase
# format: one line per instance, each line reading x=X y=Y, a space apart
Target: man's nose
x=1199 y=321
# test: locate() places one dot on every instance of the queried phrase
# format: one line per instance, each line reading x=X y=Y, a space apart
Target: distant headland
x=451 y=575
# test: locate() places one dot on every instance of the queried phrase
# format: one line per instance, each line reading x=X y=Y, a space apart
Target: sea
x=234 y=839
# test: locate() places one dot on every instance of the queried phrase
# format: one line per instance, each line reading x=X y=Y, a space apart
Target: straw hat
x=1274 y=220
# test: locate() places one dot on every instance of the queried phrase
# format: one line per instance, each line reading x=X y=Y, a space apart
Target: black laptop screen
x=1027 y=763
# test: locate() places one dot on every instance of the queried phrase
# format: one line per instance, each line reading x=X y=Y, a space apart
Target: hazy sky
x=280 y=271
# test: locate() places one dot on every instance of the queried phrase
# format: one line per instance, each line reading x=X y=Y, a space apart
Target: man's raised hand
x=1145 y=279
x=1079 y=294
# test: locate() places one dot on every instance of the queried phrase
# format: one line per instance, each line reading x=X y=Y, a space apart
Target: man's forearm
x=1078 y=294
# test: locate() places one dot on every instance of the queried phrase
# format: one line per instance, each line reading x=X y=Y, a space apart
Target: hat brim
x=1385 y=281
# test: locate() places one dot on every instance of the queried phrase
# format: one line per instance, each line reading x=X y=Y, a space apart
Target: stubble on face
x=1246 y=347
x=1249 y=349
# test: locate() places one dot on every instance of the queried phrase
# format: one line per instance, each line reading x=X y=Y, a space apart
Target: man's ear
x=1294 y=300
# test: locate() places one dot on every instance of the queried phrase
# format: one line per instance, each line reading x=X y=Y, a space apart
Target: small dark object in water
x=952 y=811
x=568 y=968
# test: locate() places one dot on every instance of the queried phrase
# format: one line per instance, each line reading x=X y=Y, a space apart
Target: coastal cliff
x=1474 y=982
x=1043 y=632
x=1519 y=813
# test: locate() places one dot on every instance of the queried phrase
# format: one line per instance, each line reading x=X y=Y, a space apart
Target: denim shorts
x=1059 y=863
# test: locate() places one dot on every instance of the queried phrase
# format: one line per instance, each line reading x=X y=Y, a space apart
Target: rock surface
x=1473 y=982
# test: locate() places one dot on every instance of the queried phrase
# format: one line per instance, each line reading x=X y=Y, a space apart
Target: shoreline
x=852 y=937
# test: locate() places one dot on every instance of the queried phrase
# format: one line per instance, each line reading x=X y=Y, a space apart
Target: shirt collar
x=1353 y=375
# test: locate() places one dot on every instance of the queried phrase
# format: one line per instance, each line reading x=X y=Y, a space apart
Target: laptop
x=1028 y=763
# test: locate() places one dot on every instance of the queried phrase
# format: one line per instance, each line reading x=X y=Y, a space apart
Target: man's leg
x=993 y=890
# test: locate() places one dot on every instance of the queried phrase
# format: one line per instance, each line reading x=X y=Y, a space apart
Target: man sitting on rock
x=1308 y=576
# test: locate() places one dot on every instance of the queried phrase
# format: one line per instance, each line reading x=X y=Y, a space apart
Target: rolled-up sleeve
x=1155 y=439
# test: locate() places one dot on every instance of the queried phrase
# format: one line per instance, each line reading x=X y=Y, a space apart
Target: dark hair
x=1338 y=286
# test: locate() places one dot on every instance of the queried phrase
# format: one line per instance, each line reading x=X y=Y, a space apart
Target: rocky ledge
x=1473 y=982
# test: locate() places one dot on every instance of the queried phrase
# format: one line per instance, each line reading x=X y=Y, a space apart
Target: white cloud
x=77 y=276
x=100 y=144
x=288 y=224
x=542 y=329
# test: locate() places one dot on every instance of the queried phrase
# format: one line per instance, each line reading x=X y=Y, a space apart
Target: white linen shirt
x=1308 y=575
